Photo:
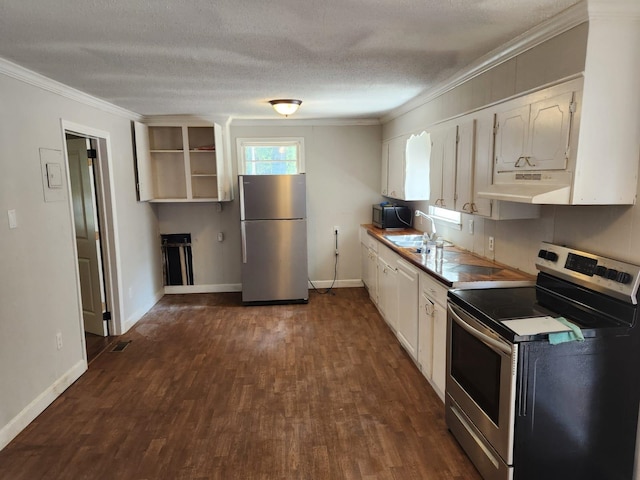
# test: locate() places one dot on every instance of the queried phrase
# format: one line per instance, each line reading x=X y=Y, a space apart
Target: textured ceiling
x=343 y=58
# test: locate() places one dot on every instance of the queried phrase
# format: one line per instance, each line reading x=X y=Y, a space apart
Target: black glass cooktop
x=502 y=303
x=493 y=305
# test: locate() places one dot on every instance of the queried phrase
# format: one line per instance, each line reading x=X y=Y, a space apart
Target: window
x=445 y=215
x=270 y=156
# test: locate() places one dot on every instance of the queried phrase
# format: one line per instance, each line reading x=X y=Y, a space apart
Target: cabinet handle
x=474 y=208
x=517 y=164
x=526 y=159
x=465 y=206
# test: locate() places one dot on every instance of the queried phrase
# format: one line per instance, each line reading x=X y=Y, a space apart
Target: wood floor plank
x=209 y=389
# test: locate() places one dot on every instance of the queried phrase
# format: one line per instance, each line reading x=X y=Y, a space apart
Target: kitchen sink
x=403 y=238
x=409 y=241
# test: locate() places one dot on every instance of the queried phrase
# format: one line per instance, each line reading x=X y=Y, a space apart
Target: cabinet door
x=512 y=128
x=383 y=287
x=372 y=272
x=425 y=335
x=549 y=126
x=442 y=169
x=439 y=349
x=408 y=307
x=384 y=173
x=465 y=165
x=483 y=160
x=435 y=166
x=392 y=298
x=416 y=175
x=387 y=293
x=447 y=197
x=396 y=167
x=144 y=175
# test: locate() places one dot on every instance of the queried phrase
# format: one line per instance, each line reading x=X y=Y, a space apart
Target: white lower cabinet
x=432 y=332
x=413 y=304
x=388 y=289
x=407 y=331
x=369 y=264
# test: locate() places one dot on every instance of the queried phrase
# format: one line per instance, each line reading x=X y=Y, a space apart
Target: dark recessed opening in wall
x=177 y=259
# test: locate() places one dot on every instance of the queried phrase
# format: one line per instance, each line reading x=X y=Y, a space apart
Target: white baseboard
x=348 y=283
x=138 y=314
x=37 y=406
x=237 y=287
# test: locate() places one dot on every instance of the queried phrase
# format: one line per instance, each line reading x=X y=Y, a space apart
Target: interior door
x=87 y=235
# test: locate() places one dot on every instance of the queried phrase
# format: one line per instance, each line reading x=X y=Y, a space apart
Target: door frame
x=109 y=239
x=86 y=166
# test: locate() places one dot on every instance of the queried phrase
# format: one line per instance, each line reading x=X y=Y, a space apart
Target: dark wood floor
x=208 y=389
x=96 y=345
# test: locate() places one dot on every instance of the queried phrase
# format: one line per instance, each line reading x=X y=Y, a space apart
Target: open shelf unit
x=184 y=163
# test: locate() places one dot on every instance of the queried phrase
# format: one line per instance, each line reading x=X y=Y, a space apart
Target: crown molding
x=304 y=122
x=30 y=77
x=566 y=20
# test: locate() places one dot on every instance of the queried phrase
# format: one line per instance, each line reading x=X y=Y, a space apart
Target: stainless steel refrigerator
x=273 y=211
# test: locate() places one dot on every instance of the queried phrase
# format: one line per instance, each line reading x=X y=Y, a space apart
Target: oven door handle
x=486 y=339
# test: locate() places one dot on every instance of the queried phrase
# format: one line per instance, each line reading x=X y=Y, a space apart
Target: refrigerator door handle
x=243 y=233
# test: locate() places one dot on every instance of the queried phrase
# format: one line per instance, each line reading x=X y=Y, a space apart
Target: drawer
x=433 y=289
x=369 y=241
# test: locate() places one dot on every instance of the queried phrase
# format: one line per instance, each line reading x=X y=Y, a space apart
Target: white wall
x=343 y=180
x=39 y=294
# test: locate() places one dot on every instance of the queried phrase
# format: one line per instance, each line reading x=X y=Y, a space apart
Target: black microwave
x=391 y=216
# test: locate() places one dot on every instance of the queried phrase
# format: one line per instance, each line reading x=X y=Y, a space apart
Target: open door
x=85 y=216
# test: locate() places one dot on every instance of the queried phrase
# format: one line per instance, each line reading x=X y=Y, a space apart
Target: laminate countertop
x=459 y=268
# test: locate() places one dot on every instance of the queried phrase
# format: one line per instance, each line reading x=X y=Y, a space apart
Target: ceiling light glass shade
x=286 y=106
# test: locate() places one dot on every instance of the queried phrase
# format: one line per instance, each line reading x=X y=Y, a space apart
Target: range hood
x=527 y=193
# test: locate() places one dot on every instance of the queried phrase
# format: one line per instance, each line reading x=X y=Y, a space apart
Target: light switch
x=13 y=220
x=54 y=175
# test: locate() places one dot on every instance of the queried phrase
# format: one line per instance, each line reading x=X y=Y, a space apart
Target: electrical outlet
x=491 y=244
x=471 y=227
x=221 y=236
x=59 y=340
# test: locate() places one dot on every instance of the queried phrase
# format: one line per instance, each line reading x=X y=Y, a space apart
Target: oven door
x=481 y=379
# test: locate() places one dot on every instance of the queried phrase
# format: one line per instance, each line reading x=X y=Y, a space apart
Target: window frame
x=243 y=142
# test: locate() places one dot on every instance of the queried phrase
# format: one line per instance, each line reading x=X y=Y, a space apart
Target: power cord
x=395 y=209
x=335 y=273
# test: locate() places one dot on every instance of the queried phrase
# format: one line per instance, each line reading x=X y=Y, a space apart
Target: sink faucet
x=432 y=235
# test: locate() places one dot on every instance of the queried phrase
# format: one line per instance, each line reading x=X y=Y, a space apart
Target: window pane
x=271 y=159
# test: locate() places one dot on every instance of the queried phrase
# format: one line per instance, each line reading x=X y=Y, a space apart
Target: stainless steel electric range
x=528 y=395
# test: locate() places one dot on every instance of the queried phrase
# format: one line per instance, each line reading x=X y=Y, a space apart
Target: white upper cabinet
x=534 y=135
x=442 y=173
x=465 y=168
x=405 y=167
x=182 y=163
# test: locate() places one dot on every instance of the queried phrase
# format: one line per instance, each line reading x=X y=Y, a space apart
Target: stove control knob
x=551 y=256
x=600 y=271
x=623 y=277
x=611 y=274
x=542 y=253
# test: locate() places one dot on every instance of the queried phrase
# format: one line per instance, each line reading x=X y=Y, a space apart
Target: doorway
x=81 y=155
x=91 y=203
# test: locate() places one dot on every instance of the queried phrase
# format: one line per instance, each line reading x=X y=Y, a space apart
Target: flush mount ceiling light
x=285 y=106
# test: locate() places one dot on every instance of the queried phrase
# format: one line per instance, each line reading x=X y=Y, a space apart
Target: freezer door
x=274 y=260
x=272 y=197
